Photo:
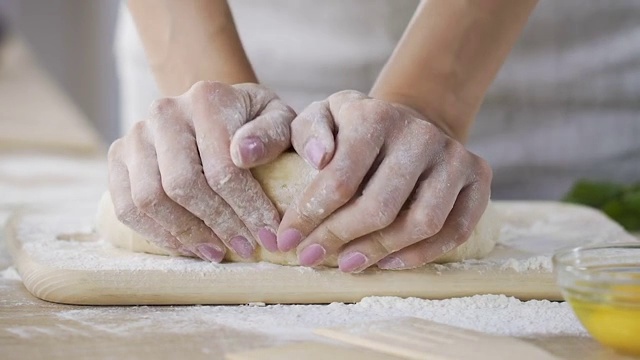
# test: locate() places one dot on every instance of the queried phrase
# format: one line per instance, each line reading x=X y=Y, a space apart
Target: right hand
x=181 y=177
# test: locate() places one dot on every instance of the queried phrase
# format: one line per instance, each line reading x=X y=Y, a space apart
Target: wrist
x=442 y=108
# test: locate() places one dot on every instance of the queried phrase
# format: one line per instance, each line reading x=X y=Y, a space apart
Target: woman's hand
x=394 y=189
x=180 y=177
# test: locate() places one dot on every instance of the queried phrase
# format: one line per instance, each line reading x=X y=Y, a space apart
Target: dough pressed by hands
x=283 y=180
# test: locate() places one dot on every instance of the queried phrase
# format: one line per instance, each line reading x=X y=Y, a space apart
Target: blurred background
x=73 y=41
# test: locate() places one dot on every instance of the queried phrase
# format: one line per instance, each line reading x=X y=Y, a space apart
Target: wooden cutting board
x=62 y=260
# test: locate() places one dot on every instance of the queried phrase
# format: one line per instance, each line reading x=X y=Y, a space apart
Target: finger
x=358 y=144
x=449 y=169
x=126 y=211
x=312 y=134
x=149 y=197
x=434 y=199
x=459 y=225
x=265 y=137
x=384 y=196
x=183 y=181
x=215 y=116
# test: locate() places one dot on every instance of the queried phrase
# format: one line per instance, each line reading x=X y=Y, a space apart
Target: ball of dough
x=283 y=180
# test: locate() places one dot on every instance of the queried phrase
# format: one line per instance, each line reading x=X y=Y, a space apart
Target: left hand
x=394 y=189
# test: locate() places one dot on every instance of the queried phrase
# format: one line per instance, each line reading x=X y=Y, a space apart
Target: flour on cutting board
x=526 y=242
x=494 y=314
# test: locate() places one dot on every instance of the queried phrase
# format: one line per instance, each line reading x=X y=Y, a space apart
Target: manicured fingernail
x=252 y=149
x=289 y=239
x=314 y=150
x=210 y=252
x=390 y=263
x=312 y=255
x=242 y=246
x=352 y=261
x=268 y=239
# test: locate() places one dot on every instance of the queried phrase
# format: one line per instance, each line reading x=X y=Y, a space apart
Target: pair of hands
x=393 y=189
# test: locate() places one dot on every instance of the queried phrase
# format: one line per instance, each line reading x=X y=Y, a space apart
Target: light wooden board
x=415 y=338
x=311 y=351
x=61 y=261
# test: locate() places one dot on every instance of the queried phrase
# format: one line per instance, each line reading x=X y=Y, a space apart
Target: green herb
x=619 y=202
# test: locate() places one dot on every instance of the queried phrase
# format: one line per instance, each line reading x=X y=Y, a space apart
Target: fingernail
x=312 y=255
x=352 y=261
x=390 y=263
x=242 y=246
x=210 y=252
x=289 y=239
x=251 y=149
x=268 y=239
x=314 y=150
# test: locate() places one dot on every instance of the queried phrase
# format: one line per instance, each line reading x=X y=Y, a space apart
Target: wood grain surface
x=117 y=277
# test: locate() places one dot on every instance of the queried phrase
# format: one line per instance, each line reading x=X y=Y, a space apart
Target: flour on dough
x=282 y=180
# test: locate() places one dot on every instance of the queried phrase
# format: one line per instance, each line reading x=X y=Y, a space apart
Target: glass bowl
x=602 y=284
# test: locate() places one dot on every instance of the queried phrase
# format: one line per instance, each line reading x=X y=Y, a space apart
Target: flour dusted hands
x=394 y=189
x=180 y=177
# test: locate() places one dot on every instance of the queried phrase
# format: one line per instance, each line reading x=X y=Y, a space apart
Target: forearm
x=190 y=40
x=448 y=57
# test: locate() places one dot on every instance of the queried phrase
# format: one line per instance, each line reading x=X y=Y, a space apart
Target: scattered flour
x=10 y=273
x=39 y=232
x=494 y=314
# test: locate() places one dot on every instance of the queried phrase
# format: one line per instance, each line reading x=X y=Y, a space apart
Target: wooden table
x=31 y=328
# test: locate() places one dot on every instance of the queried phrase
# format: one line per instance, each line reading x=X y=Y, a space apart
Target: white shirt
x=565 y=105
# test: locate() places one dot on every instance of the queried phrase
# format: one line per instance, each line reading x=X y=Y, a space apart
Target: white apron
x=565 y=106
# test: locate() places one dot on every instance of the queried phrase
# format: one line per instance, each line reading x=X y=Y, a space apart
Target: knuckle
x=484 y=172
x=208 y=89
x=362 y=108
x=163 y=107
x=385 y=244
x=125 y=213
x=333 y=236
x=137 y=134
x=456 y=150
x=306 y=217
x=179 y=184
x=342 y=187
x=221 y=175
x=348 y=94
x=114 y=150
x=381 y=214
x=424 y=225
x=147 y=198
x=427 y=129
x=377 y=107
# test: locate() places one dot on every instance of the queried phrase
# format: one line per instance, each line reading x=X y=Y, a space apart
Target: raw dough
x=282 y=181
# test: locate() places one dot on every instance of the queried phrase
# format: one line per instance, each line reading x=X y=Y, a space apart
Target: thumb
x=312 y=134
x=264 y=138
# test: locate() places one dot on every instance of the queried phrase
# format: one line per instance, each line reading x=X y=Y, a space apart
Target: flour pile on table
x=495 y=314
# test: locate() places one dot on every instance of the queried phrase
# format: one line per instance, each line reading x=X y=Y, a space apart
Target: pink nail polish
x=268 y=239
x=352 y=261
x=314 y=151
x=289 y=239
x=391 y=263
x=242 y=246
x=312 y=255
x=251 y=149
x=210 y=252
